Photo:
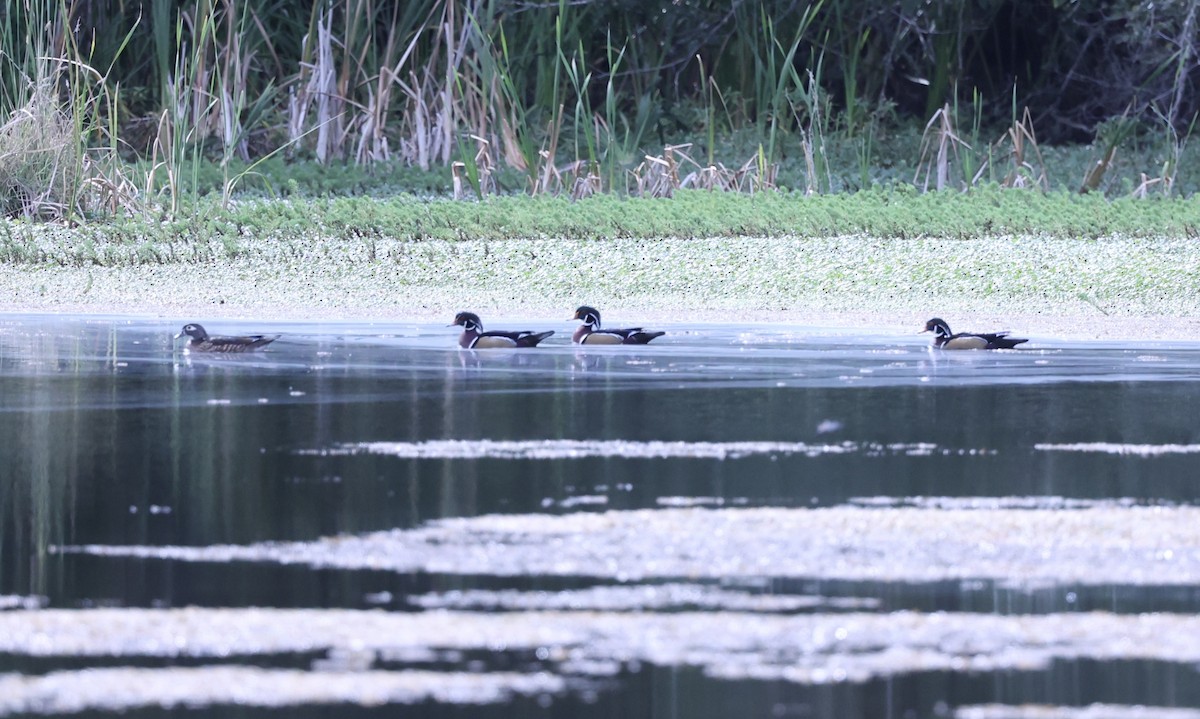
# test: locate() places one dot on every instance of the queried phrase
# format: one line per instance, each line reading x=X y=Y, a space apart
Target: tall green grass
x=572 y=98
x=59 y=131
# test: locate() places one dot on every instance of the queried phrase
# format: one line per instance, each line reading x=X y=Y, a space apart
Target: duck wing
x=635 y=335
x=530 y=339
x=1001 y=340
x=983 y=340
x=502 y=338
x=236 y=344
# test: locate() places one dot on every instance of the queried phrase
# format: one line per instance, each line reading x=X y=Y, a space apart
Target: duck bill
x=178 y=335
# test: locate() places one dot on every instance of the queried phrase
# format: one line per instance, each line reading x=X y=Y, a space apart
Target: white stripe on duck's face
x=602 y=338
x=492 y=342
x=591 y=319
x=940 y=330
x=968 y=342
x=469 y=321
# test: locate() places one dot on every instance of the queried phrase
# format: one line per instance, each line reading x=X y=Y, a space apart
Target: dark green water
x=113 y=436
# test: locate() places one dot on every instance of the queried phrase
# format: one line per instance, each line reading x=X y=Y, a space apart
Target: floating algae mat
x=125 y=688
x=1091 y=711
x=564 y=646
x=580 y=449
x=638 y=597
x=1097 y=543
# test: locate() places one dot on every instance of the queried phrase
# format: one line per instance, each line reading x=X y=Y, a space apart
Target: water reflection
x=114 y=436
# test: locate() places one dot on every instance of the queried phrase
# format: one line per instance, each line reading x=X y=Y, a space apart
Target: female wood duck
x=201 y=341
x=473 y=337
x=944 y=339
x=589 y=333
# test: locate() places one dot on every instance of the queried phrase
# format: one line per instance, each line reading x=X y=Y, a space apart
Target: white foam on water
x=1012 y=502
x=1140 y=450
x=127 y=688
x=640 y=597
x=588 y=448
x=676 y=501
x=1090 y=711
x=811 y=648
x=582 y=500
x=1015 y=544
x=16 y=601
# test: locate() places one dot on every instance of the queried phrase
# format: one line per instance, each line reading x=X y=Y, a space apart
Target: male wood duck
x=473 y=337
x=589 y=333
x=944 y=339
x=201 y=341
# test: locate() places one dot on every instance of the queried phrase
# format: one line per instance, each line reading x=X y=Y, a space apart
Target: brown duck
x=201 y=341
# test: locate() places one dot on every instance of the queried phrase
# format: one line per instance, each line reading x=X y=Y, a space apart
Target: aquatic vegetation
x=1024 y=548
x=1007 y=252
x=730 y=645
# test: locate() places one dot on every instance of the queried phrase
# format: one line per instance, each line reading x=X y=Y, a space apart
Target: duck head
x=194 y=331
x=469 y=321
x=589 y=315
x=938 y=327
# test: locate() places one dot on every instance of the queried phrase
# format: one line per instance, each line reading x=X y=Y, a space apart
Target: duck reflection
x=482 y=359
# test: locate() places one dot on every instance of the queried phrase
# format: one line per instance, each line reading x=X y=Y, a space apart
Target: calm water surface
x=113 y=438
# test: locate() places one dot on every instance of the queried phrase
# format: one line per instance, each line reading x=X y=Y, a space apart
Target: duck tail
x=533 y=339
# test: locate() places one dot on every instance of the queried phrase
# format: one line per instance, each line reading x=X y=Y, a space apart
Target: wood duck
x=473 y=337
x=201 y=341
x=589 y=333
x=944 y=339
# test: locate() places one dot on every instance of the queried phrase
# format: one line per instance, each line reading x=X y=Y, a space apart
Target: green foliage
x=884 y=214
x=208 y=232
x=820 y=97
x=876 y=248
x=57 y=120
x=882 y=157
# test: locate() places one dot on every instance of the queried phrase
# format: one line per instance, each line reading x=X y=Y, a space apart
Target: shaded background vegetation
x=580 y=96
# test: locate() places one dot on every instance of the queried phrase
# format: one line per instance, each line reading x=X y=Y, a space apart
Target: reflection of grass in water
x=38 y=479
x=78 y=451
